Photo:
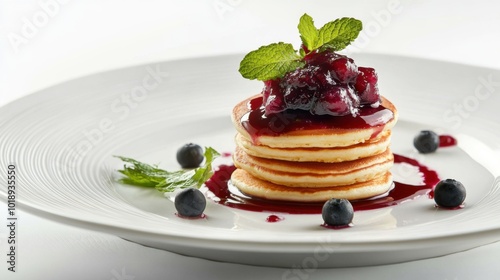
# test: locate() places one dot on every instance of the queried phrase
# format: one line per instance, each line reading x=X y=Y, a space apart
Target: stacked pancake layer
x=313 y=164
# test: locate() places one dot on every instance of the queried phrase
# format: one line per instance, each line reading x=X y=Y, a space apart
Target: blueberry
x=190 y=156
x=426 y=142
x=449 y=193
x=337 y=212
x=190 y=203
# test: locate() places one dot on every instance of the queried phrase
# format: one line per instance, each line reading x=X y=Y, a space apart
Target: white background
x=46 y=42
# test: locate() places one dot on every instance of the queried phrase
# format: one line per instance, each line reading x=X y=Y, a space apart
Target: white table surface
x=46 y=42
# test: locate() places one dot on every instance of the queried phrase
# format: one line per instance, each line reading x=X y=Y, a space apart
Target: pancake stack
x=313 y=164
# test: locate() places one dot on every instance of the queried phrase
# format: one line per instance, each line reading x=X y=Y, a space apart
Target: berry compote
x=328 y=84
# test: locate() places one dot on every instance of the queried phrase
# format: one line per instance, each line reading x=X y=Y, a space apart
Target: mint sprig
x=146 y=175
x=269 y=62
x=275 y=60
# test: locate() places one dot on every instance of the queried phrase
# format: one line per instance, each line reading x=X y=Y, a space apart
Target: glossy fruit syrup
x=222 y=192
x=447 y=141
x=257 y=123
x=274 y=218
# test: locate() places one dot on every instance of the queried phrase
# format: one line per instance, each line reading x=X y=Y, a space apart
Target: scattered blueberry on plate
x=337 y=212
x=190 y=203
x=190 y=155
x=426 y=141
x=449 y=193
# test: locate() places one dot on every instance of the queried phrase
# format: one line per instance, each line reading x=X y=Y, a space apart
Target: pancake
x=314 y=174
x=333 y=154
x=293 y=156
x=255 y=187
x=307 y=138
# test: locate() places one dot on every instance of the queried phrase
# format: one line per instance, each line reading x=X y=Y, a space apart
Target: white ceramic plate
x=62 y=140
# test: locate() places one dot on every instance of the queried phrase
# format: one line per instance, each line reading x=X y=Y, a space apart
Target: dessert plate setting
x=62 y=141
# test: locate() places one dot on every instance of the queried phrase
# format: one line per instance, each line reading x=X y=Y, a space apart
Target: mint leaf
x=192 y=178
x=270 y=62
x=143 y=174
x=309 y=34
x=338 y=34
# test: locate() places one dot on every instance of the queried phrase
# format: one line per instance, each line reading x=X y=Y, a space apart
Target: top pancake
x=309 y=138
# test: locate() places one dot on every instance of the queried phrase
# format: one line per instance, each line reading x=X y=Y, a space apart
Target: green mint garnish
x=309 y=34
x=269 y=62
x=275 y=60
x=143 y=174
x=338 y=34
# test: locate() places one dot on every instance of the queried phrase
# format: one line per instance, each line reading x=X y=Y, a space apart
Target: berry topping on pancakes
x=317 y=79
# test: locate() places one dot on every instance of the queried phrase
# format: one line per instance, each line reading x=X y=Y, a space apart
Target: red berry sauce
x=257 y=123
x=226 y=154
x=222 y=192
x=327 y=84
x=274 y=219
x=447 y=141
